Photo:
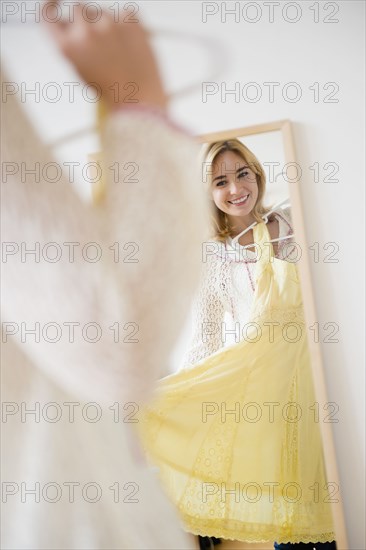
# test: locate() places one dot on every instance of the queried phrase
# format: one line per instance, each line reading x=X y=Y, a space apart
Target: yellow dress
x=236 y=438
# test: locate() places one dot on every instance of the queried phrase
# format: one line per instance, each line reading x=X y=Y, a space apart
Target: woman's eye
x=244 y=174
x=220 y=183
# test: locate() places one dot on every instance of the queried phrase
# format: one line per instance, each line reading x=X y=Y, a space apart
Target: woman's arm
x=148 y=233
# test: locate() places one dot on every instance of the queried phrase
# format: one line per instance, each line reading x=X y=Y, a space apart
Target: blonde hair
x=220 y=222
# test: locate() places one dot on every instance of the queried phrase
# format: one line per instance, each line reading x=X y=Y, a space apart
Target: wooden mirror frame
x=285 y=127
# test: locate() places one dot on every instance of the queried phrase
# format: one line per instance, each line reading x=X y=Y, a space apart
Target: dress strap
x=264 y=250
x=262 y=239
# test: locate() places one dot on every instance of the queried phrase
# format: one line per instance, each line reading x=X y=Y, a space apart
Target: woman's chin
x=240 y=210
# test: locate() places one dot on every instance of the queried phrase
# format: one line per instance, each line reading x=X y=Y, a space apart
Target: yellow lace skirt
x=237 y=441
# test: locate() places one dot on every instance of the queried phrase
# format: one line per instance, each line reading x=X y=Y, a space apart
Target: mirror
x=272 y=144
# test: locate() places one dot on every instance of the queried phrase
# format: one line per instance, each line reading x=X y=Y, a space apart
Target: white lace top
x=224 y=299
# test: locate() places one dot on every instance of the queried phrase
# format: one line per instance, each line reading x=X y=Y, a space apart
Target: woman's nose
x=233 y=186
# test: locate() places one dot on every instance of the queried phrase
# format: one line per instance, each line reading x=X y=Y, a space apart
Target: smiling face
x=234 y=188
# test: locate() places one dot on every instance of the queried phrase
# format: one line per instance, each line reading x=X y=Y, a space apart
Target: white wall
x=304 y=52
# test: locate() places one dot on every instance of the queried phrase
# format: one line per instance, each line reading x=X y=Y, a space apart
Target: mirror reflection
x=235 y=431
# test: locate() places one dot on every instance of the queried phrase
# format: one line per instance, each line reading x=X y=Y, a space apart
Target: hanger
x=218 y=58
x=265 y=218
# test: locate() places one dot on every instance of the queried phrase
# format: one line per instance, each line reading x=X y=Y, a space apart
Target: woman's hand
x=110 y=55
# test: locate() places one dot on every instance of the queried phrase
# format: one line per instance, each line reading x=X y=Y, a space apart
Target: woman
x=228 y=279
x=232 y=432
x=73 y=474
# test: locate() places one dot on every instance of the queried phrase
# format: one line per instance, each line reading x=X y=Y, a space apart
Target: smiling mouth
x=240 y=201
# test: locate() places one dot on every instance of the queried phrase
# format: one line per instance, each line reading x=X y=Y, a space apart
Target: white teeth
x=238 y=201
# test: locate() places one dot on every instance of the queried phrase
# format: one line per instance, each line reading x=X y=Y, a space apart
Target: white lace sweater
x=224 y=299
x=51 y=455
